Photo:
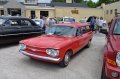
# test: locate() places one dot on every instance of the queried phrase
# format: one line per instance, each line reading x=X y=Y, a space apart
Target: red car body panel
x=63 y=44
x=112 y=47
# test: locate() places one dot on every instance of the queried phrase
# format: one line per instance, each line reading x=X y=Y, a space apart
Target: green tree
x=78 y=1
x=91 y=4
x=105 y=1
x=58 y=0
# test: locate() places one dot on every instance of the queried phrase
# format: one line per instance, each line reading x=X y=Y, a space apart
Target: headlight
x=22 y=46
x=118 y=59
x=52 y=52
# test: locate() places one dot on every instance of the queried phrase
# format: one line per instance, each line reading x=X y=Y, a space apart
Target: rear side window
x=13 y=22
x=2 y=21
x=26 y=23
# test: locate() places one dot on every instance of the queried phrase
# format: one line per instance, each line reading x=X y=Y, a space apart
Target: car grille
x=35 y=50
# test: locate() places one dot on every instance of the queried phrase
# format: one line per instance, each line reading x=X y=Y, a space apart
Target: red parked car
x=60 y=42
x=111 y=62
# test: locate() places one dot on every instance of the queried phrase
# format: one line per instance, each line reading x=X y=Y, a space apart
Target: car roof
x=35 y=19
x=12 y=17
x=76 y=25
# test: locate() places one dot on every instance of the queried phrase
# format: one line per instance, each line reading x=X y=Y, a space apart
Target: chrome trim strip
x=41 y=57
x=19 y=34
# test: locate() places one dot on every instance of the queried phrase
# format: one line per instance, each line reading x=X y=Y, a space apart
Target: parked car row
x=14 y=29
x=61 y=41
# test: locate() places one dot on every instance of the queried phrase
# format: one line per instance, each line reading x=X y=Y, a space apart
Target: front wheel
x=103 y=75
x=88 y=45
x=66 y=60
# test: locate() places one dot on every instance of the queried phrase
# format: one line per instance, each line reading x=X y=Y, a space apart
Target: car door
x=79 y=39
x=11 y=31
x=29 y=28
x=86 y=34
x=89 y=33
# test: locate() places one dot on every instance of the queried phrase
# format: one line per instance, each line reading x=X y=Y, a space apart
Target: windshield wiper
x=57 y=34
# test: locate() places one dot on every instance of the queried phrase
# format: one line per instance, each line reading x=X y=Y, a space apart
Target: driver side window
x=78 y=32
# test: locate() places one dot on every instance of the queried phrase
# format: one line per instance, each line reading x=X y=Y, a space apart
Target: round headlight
x=22 y=46
x=118 y=59
x=52 y=52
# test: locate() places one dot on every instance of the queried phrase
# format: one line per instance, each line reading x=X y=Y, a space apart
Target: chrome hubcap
x=67 y=58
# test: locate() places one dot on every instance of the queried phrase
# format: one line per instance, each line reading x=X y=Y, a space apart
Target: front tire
x=103 y=75
x=66 y=60
x=88 y=45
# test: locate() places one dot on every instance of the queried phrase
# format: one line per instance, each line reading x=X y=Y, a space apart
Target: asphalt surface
x=86 y=64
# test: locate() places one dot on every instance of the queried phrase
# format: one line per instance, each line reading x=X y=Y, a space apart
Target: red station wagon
x=60 y=42
x=111 y=62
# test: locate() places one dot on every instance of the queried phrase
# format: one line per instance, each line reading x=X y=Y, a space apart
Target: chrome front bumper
x=40 y=57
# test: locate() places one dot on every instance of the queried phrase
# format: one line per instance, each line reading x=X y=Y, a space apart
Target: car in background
x=37 y=21
x=111 y=58
x=83 y=21
x=89 y=19
x=14 y=29
x=60 y=42
x=66 y=19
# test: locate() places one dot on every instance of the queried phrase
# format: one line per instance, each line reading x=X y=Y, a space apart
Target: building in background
x=110 y=10
x=36 y=8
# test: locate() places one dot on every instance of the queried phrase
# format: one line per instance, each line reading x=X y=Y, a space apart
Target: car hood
x=47 y=41
x=115 y=41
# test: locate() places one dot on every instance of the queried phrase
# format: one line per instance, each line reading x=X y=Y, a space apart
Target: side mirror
x=104 y=31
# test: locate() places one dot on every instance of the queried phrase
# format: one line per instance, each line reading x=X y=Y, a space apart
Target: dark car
x=89 y=19
x=13 y=29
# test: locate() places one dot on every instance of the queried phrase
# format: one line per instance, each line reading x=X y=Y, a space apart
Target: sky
x=94 y=0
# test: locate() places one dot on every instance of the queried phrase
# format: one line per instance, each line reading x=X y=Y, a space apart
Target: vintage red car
x=111 y=59
x=60 y=42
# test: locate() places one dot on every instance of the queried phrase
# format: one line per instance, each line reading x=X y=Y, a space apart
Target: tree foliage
x=91 y=4
x=78 y=1
x=106 y=2
x=58 y=0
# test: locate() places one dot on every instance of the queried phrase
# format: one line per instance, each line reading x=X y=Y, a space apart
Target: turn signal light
x=112 y=62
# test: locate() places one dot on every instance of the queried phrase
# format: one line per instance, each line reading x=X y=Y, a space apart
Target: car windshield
x=65 y=31
x=66 y=20
x=116 y=30
x=2 y=21
x=37 y=20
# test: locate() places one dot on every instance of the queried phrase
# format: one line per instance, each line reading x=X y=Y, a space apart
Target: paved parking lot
x=84 y=65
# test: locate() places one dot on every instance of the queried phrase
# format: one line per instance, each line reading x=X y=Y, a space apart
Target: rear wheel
x=66 y=59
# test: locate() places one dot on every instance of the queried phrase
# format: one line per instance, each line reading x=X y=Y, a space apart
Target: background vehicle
x=89 y=19
x=66 y=19
x=60 y=42
x=82 y=21
x=13 y=29
x=37 y=21
x=111 y=60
